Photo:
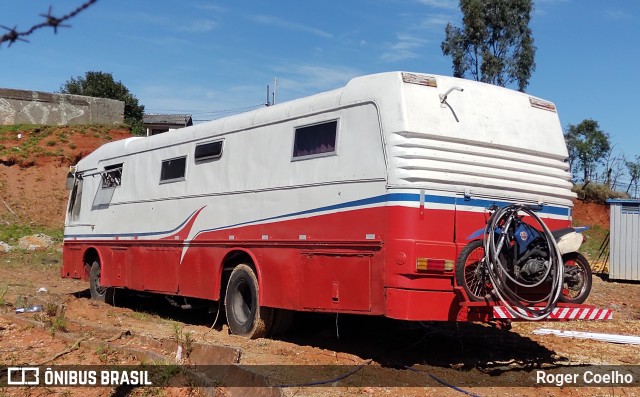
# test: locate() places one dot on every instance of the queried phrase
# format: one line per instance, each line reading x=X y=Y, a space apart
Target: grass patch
x=596 y=235
x=32 y=136
x=11 y=233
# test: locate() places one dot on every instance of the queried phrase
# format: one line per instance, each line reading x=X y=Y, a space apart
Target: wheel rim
x=242 y=302
x=574 y=280
x=475 y=276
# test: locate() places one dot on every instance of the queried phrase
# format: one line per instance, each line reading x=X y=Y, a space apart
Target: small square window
x=208 y=151
x=315 y=140
x=173 y=170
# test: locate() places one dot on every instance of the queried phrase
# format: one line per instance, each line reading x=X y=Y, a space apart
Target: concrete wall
x=34 y=107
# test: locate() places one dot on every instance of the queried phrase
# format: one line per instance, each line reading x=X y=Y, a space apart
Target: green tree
x=587 y=145
x=102 y=85
x=634 y=172
x=494 y=44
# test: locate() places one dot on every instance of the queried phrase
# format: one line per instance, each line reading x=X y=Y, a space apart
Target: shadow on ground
x=392 y=343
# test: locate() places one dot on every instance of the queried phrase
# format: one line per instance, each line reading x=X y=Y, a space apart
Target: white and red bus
x=356 y=200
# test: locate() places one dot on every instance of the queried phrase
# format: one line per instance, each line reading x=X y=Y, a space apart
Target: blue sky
x=207 y=57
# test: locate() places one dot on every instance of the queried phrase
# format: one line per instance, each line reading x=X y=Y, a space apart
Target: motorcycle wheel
x=577 y=278
x=471 y=273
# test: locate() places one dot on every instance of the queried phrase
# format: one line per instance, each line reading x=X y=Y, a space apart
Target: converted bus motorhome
x=355 y=200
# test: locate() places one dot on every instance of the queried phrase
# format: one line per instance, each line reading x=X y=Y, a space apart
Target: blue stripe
x=385 y=198
x=547 y=209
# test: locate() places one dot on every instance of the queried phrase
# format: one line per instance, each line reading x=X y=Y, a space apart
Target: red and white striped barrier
x=561 y=313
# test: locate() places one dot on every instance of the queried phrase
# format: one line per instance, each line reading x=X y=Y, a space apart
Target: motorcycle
x=514 y=259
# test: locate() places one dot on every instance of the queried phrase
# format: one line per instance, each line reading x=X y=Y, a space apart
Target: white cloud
x=446 y=4
x=180 y=25
x=198 y=26
x=294 y=26
x=296 y=80
x=618 y=15
x=436 y=22
x=540 y=6
x=404 y=48
x=211 y=7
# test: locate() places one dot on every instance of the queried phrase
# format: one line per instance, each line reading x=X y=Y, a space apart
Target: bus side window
x=208 y=151
x=173 y=170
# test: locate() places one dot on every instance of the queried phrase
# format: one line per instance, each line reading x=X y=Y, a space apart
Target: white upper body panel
x=482 y=141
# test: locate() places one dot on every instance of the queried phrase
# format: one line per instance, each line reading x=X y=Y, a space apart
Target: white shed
x=624 y=240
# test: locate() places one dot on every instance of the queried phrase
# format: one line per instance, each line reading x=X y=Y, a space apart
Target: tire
x=578 y=278
x=245 y=316
x=470 y=273
x=98 y=292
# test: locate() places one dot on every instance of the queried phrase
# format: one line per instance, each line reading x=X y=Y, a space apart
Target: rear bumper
x=421 y=305
x=560 y=313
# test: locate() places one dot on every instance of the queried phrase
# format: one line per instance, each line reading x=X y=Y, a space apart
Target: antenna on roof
x=267 y=103
x=271 y=100
x=275 y=87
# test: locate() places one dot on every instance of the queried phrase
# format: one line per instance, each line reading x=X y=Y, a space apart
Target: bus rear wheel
x=245 y=316
x=98 y=292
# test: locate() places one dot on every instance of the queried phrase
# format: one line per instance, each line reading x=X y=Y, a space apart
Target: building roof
x=623 y=201
x=168 y=119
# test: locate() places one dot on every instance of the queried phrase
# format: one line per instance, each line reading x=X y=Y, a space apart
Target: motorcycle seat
x=561 y=232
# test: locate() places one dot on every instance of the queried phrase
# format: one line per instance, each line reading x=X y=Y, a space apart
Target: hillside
x=34 y=162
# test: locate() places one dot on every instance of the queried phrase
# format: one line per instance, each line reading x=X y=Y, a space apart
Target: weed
x=59 y=323
x=184 y=339
x=188 y=343
x=51 y=143
x=177 y=332
x=138 y=315
x=165 y=372
x=3 y=293
x=51 y=309
x=104 y=352
x=73 y=145
x=53 y=316
x=21 y=301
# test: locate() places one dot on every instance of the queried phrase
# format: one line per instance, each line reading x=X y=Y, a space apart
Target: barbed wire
x=52 y=21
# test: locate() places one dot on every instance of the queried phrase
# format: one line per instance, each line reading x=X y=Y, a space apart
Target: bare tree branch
x=13 y=34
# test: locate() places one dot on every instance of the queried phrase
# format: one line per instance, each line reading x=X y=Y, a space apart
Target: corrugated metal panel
x=625 y=240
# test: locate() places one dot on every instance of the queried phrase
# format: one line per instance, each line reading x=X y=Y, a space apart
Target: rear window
x=315 y=140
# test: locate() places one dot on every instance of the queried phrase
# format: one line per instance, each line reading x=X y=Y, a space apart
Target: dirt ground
x=385 y=354
x=144 y=329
